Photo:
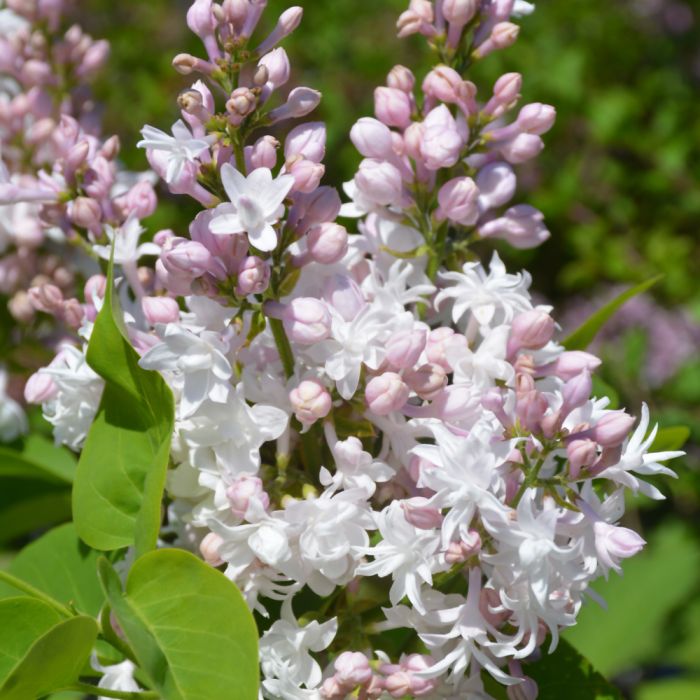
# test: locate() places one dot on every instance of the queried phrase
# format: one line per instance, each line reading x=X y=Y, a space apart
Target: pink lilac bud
x=576 y=391
x=47 y=298
x=386 y=393
x=464 y=549
x=536 y=118
x=187 y=258
x=85 y=213
x=447 y=85
x=99 y=178
x=458 y=200
x=532 y=330
x=332 y=689
x=307 y=175
x=581 y=453
x=427 y=381
x=614 y=543
x=186 y=64
x=372 y=138
x=344 y=295
x=497 y=184
x=246 y=496
x=72 y=313
x=39 y=388
x=522 y=226
x=416 y=664
x=352 y=669
x=311 y=401
x=503 y=35
x=404 y=348
x=200 y=18
x=401 y=78
x=93 y=60
x=459 y=12
x=307 y=141
x=570 y=364
x=392 y=107
x=417 y=19
x=160 y=310
x=95 y=289
x=278 y=68
x=527 y=689
x=300 y=102
x=531 y=407
x=263 y=153
x=442 y=142
x=613 y=428
x=242 y=102
x=77 y=156
x=209 y=547
x=506 y=93
x=522 y=148
x=289 y=20
x=438 y=341
x=380 y=182
x=327 y=243
x=236 y=11
x=318 y=207
x=140 y=201
x=253 y=276
x=398 y=684
x=420 y=514
x=307 y=321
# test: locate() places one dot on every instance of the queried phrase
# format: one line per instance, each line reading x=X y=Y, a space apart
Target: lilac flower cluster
x=376 y=407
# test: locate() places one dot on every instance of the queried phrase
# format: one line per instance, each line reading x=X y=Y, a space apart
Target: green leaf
x=567 y=674
x=656 y=581
x=63 y=567
x=676 y=689
x=670 y=439
x=39 y=651
x=121 y=473
x=37 y=457
x=581 y=338
x=188 y=625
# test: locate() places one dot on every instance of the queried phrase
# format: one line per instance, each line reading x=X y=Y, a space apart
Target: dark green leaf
x=62 y=566
x=121 y=474
x=188 y=625
x=581 y=338
x=567 y=674
x=39 y=651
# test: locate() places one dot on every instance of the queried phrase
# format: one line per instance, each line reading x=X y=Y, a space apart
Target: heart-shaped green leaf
x=188 y=625
x=40 y=651
x=121 y=474
x=61 y=566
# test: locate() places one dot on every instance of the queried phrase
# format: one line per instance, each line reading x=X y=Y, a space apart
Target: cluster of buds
x=374 y=429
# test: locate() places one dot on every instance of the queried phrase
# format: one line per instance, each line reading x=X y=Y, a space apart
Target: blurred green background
x=619 y=184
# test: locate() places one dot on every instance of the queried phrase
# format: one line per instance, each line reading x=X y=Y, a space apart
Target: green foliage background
x=618 y=183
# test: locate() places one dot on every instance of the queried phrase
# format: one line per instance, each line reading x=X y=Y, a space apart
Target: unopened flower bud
x=241 y=103
x=300 y=102
x=289 y=20
x=427 y=381
x=506 y=93
x=437 y=344
x=327 y=243
x=253 y=276
x=570 y=364
x=613 y=428
x=401 y=78
x=46 y=297
x=421 y=515
x=458 y=200
x=186 y=64
x=352 y=669
x=160 y=310
x=95 y=289
x=380 y=182
x=398 y=684
x=392 y=107
x=200 y=18
x=140 y=201
x=307 y=175
x=503 y=35
x=527 y=689
x=531 y=407
x=310 y=401
x=532 y=330
x=187 y=258
x=72 y=313
x=581 y=453
x=522 y=148
x=386 y=393
x=614 y=543
x=447 y=85
x=522 y=226
x=459 y=12
x=307 y=141
x=85 y=213
x=307 y=321
x=39 y=388
x=344 y=295
x=372 y=138
x=247 y=497
x=403 y=349
x=263 y=153
x=209 y=547
x=576 y=391
x=277 y=64
x=536 y=118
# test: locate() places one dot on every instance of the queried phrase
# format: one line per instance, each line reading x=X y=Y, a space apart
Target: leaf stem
x=27 y=588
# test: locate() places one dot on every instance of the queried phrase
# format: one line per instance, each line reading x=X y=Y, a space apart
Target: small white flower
x=127 y=250
x=256 y=205
x=181 y=147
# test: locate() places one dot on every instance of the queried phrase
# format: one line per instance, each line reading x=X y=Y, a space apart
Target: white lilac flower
x=73 y=407
x=127 y=249
x=181 y=148
x=492 y=298
x=256 y=205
